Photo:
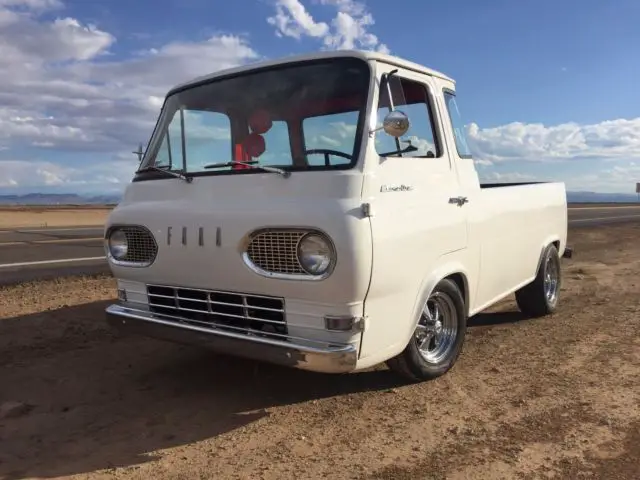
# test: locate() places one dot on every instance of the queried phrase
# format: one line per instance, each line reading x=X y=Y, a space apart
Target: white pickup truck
x=323 y=212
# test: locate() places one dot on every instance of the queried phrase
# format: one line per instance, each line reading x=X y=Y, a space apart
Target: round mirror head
x=396 y=123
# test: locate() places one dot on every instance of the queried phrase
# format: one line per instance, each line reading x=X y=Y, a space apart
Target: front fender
x=393 y=317
x=449 y=267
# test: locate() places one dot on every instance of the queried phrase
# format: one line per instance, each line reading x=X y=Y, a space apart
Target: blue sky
x=547 y=88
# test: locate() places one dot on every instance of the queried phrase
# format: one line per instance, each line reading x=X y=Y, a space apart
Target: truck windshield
x=302 y=116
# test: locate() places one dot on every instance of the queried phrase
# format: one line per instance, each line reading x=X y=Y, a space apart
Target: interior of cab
x=251 y=133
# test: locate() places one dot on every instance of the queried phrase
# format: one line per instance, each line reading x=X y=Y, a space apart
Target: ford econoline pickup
x=323 y=212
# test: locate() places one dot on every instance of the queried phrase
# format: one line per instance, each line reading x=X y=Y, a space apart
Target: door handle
x=460 y=201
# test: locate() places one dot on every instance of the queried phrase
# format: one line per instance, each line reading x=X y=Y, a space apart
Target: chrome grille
x=275 y=251
x=252 y=313
x=141 y=246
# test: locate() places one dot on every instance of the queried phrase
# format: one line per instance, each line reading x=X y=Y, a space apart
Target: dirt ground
x=557 y=397
x=52 y=216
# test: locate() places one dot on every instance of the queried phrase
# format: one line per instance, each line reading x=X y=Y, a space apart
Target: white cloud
x=62 y=91
x=602 y=157
x=27 y=43
x=349 y=27
x=615 y=139
x=351 y=7
x=505 y=177
x=604 y=176
x=616 y=177
x=59 y=91
x=351 y=32
x=293 y=20
x=482 y=163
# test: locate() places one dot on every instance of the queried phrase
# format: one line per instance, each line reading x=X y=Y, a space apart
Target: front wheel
x=437 y=340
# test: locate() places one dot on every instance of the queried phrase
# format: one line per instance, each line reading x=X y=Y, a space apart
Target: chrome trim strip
x=227 y=315
x=323 y=358
x=245 y=303
x=243 y=331
x=280 y=276
x=225 y=304
x=204 y=290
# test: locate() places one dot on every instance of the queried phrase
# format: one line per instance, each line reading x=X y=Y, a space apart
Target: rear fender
x=548 y=241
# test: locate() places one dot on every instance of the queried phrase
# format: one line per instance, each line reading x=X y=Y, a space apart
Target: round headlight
x=315 y=254
x=118 y=245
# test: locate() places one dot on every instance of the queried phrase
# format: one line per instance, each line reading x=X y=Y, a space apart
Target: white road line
x=39 y=230
x=51 y=262
x=50 y=241
x=596 y=219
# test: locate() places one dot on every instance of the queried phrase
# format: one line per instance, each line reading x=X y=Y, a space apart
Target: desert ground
x=52 y=216
x=556 y=397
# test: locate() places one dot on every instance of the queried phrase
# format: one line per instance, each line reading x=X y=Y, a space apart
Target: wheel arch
x=532 y=298
x=453 y=271
x=551 y=240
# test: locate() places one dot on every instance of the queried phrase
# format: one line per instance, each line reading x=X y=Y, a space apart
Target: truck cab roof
x=364 y=55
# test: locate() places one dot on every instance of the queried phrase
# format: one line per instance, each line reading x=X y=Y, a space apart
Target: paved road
x=590 y=216
x=27 y=254
x=50 y=252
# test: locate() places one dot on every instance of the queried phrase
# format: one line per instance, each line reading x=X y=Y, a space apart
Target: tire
x=540 y=297
x=418 y=364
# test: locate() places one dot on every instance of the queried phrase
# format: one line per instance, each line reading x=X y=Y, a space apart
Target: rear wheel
x=541 y=296
x=437 y=339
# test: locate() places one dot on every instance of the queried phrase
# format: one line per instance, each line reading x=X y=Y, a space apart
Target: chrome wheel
x=541 y=296
x=437 y=340
x=551 y=279
x=437 y=329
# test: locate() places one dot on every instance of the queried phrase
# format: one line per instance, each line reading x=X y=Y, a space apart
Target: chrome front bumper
x=326 y=359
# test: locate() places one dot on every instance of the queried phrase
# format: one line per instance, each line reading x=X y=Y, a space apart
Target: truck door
x=415 y=221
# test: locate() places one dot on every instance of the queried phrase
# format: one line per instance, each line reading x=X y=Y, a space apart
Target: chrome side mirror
x=396 y=123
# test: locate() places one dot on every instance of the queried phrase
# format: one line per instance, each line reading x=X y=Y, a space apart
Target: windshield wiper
x=179 y=175
x=279 y=171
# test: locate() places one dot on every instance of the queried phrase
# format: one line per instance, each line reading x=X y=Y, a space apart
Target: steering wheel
x=326 y=152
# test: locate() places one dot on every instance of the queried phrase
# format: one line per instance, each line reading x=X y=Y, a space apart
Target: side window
x=458 y=126
x=411 y=98
x=327 y=133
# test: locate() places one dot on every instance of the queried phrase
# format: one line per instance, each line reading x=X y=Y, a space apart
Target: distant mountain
x=593 y=197
x=75 y=199
x=58 y=199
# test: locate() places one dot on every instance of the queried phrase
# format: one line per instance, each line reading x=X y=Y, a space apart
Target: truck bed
x=510 y=184
x=512 y=226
